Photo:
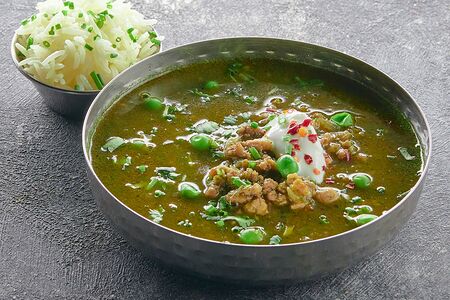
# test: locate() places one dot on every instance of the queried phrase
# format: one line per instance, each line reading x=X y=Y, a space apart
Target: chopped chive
x=130 y=34
x=152 y=34
x=113 y=55
x=58 y=26
x=69 y=4
x=83 y=26
x=97 y=80
x=155 y=41
x=46 y=44
x=64 y=12
x=80 y=15
x=108 y=6
x=29 y=42
x=33 y=17
x=25 y=22
x=96 y=37
x=77 y=87
x=89 y=47
x=254 y=153
x=52 y=31
x=90 y=29
x=101 y=79
x=114 y=46
x=118 y=39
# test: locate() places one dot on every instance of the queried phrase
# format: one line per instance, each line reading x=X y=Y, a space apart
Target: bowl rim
x=424 y=169
x=58 y=89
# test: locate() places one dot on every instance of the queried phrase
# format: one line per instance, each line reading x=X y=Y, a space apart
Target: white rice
x=57 y=46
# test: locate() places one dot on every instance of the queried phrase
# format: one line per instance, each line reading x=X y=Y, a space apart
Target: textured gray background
x=55 y=244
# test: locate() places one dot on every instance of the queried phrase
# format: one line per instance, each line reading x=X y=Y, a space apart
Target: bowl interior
x=312 y=55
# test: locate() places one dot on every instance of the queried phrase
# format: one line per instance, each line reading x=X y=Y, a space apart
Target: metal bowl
x=69 y=103
x=256 y=264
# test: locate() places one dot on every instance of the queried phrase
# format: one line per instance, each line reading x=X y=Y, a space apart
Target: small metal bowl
x=69 y=103
x=256 y=264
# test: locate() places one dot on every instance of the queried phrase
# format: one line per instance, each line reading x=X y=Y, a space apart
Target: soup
x=256 y=151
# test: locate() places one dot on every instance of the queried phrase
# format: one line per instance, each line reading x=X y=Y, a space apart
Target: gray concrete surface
x=55 y=244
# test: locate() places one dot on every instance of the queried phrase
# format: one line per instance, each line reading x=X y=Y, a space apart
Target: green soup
x=192 y=150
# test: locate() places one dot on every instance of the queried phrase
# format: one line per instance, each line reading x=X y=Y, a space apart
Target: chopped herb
x=90 y=29
x=404 y=152
x=342 y=119
x=323 y=219
x=46 y=44
x=236 y=73
x=89 y=47
x=24 y=22
x=282 y=120
x=205 y=127
x=152 y=34
x=97 y=80
x=275 y=240
x=244 y=222
x=167 y=172
x=113 y=55
x=130 y=34
x=254 y=125
x=250 y=99
x=237 y=182
x=230 y=120
x=142 y=168
x=52 y=30
x=380 y=132
x=252 y=164
x=159 y=193
x=69 y=4
x=254 y=153
x=245 y=115
x=118 y=39
x=83 y=26
x=58 y=26
x=113 y=143
x=80 y=15
x=157 y=214
x=29 y=42
x=155 y=41
x=308 y=83
x=127 y=162
x=77 y=87
x=357 y=199
x=64 y=12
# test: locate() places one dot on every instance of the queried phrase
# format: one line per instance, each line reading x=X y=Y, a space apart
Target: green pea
x=200 y=142
x=254 y=125
x=342 y=119
x=189 y=190
x=286 y=165
x=252 y=235
x=152 y=103
x=362 y=181
x=211 y=85
x=364 y=219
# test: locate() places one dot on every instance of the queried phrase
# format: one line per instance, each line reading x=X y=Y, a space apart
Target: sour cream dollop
x=292 y=133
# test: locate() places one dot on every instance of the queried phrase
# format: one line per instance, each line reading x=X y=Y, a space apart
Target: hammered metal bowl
x=256 y=264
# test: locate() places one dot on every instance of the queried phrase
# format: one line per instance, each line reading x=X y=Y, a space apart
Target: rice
x=83 y=44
